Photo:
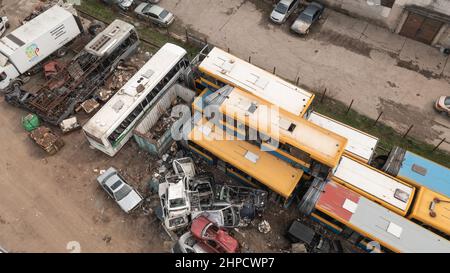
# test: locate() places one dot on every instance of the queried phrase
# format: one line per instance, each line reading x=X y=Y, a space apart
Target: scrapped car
x=188 y=244
x=442 y=105
x=214 y=239
x=116 y=187
x=283 y=10
x=4 y=24
x=125 y=4
x=155 y=14
x=239 y=194
x=184 y=167
x=175 y=202
x=222 y=214
x=201 y=184
x=307 y=17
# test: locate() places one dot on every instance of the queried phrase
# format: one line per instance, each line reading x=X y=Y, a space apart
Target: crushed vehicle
x=201 y=187
x=213 y=238
x=239 y=194
x=56 y=99
x=442 y=105
x=222 y=214
x=307 y=18
x=47 y=140
x=184 y=167
x=123 y=194
x=27 y=46
x=188 y=244
x=175 y=203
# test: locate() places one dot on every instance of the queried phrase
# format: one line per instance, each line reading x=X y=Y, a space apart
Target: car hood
x=300 y=26
x=129 y=202
x=277 y=16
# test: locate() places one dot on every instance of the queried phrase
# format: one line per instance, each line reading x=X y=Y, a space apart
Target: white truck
x=34 y=41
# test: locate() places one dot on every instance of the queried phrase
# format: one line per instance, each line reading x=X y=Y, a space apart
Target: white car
x=175 y=202
x=155 y=14
x=188 y=244
x=283 y=10
x=116 y=187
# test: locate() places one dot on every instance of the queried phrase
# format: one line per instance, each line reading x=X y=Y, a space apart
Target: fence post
x=274 y=70
x=187 y=35
x=228 y=50
x=350 y=106
x=323 y=95
x=298 y=80
x=409 y=130
x=437 y=146
x=250 y=59
x=378 y=118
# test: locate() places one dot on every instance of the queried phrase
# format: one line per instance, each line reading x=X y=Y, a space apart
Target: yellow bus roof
x=238 y=73
x=321 y=144
x=422 y=208
x=271 y=171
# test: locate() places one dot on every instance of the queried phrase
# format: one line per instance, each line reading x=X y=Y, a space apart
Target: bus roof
x=134 y=91
x=378 y=223
x=422 y=209
x=271 y=171
x=321 y=144
x=434 y=176
x=375 y=184
x=360 y=145
x=238 y=73
x=112 y=35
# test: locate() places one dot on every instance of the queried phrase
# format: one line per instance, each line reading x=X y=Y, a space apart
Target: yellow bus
x=219 y=68
x=274 y=130
x=242 y=160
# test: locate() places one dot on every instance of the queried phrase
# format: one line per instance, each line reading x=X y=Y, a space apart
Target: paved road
x=381 y=71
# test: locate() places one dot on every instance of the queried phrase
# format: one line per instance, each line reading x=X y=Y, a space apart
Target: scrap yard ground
x=47 y=203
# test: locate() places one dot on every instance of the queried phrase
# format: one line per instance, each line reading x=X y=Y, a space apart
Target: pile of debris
x=121 y=75
x=187 y=197
x=47 y=140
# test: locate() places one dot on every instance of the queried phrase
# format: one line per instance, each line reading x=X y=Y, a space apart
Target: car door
x=291 y=8
x=152 y=17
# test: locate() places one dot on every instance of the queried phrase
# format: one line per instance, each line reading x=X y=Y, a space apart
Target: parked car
x=125 y=4
x=116 y=187
x=443 y=105
x=188 y=244
x=4 y=24
x=214 y=239
x=283 y=10
x=307 y=18
x=155 y=14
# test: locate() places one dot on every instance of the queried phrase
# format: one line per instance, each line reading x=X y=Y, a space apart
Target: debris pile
x=47 y=140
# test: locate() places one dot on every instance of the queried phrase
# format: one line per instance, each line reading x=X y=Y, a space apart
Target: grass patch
x=387 y=135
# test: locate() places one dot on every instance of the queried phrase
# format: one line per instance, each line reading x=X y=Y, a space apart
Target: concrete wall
x=391 y=18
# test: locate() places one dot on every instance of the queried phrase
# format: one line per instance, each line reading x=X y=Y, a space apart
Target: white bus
x=360 y=146
x=374 y=184
x=112 y=126
x=219 y=68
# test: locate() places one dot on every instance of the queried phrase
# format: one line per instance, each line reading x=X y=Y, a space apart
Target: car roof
x=155 y=9
x=287 y=2
x=176 y=190
x=311 y=9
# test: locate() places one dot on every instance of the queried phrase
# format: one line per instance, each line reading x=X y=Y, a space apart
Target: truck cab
x=174 y=202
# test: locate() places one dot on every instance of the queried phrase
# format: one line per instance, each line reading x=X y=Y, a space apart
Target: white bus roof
x=374 y=183
x=112 y=35
x=372 y=220
x=257 y=81
x=360 y=144
x=128 y=97
x=33 y=29
x=320 y=143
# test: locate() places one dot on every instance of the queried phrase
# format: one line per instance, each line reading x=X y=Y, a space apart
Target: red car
x=213 y=238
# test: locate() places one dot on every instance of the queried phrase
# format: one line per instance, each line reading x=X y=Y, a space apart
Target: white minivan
x=283 y=10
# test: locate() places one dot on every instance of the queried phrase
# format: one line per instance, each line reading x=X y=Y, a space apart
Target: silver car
x=116 y=187
x=155 y=14
x=283 y=10
x=307 y=18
